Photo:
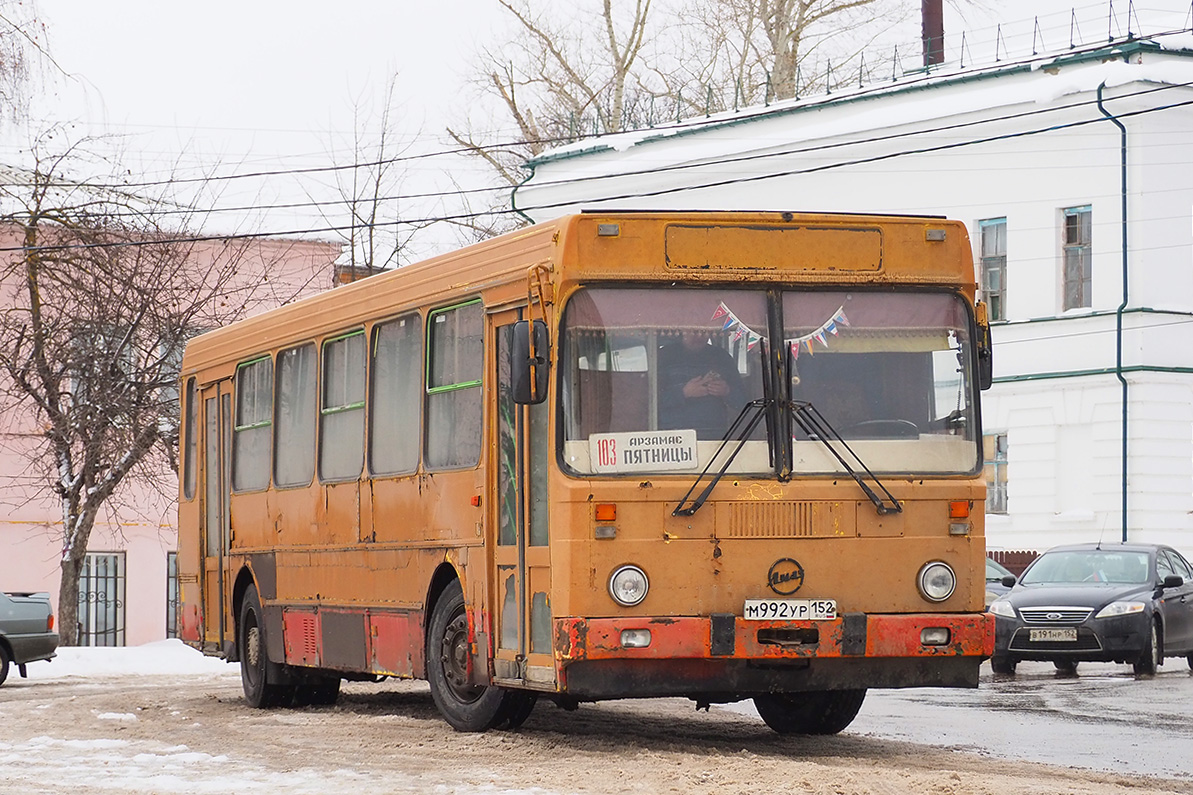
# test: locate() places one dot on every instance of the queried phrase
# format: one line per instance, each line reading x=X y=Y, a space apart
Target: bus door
x=215 y=474
x=522 y=607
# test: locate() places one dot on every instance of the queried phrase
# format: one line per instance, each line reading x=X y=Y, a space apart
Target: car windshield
x=995 y=571
x=653 y=377
x=1090 y=566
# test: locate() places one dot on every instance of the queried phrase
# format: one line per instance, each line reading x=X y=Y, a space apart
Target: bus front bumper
x=724 y=656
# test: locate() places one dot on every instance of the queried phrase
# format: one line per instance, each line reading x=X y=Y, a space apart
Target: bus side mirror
x=530 y=364
x=985 y=348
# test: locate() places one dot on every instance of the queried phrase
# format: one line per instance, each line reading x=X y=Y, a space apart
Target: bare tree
x=559 y=76
x=588 y=67
x=103 y=291
x=22 y=47
x=370 y=189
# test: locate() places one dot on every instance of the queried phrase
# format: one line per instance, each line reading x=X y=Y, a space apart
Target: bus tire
x=4 y=663
x=465 y=706
x=814 y=712
x=259 y=691
x=516 y=708
x=323 y=693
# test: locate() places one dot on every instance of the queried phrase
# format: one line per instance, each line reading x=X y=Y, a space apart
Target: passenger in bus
x=699 y=386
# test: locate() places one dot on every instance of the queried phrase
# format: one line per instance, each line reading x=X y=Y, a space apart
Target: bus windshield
x=652 y=378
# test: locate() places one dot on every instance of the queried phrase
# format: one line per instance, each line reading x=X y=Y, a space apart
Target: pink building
x=128 y=590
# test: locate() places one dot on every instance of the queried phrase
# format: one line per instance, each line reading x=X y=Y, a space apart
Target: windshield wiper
x=747 y=420
x=813 y=423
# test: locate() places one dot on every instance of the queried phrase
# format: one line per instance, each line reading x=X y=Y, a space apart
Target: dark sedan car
x=26 y=630
x=1125 y=603
x=995 y=574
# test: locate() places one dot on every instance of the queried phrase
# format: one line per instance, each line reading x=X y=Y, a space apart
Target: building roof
x=1168 y=62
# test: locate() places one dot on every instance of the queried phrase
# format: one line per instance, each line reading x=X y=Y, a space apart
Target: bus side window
x=254 y=420
x=342 y=440
x=455 y=361
x=190 y=451
x=397 y=386
x=294 y=439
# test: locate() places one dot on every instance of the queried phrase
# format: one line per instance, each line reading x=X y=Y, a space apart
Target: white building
x=1028 y=154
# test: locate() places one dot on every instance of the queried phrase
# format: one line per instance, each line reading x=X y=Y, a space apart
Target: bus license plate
x=1052 y=635
x=790 y=610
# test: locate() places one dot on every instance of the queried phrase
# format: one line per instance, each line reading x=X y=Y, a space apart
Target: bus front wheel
x=818 y=712
x=254 y=662
x=466 y=706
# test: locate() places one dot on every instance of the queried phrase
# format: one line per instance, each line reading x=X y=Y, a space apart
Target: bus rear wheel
x=259 y=691
x=465 y=706
x=816 y=712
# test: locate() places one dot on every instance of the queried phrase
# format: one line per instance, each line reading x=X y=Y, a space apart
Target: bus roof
x=629 y=245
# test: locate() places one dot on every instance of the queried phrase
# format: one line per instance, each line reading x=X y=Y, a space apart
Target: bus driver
x=699 y=386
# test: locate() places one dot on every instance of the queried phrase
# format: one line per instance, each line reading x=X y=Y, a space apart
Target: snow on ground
x=152 y=659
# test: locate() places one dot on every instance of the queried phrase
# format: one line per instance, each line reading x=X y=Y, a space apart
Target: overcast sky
x=269 y=84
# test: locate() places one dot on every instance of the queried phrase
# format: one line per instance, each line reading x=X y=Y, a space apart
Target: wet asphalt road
x=1104 y=718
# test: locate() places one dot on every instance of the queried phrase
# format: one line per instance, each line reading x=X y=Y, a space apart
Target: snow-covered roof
x=1169 y=61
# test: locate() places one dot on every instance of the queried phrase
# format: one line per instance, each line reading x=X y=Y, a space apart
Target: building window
x=342 y=444
x=101 y=599
x=455 y=361
x=397 y=392
x=994 y=447
x=993 y=246
x=1078 y=259
x=172 y=594
x=254 y=418
x=294 y=439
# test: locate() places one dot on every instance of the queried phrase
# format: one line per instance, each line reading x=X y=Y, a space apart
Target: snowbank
x=152 y=659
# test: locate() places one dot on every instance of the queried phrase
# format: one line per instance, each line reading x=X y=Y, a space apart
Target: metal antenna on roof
x=678 y=105
x=1073 y=28
x=797 y=77
x=998 y=44
x=861 y=70
x=895 y=64
x=1110 y=23
x=1034 y=34
x=766 y=96
x=828 y=79
x=708 y=101
x=1131 y=12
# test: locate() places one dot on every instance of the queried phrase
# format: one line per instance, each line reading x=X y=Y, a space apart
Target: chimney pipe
x=932 y=14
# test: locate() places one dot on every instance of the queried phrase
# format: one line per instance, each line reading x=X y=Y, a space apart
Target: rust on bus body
x=689 y=638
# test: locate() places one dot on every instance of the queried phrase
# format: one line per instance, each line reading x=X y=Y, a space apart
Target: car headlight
x=937 y=581
x=1001 y=607
x=628 y=585
x=1120 y=609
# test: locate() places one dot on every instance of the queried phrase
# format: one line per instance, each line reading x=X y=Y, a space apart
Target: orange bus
x=713 y=455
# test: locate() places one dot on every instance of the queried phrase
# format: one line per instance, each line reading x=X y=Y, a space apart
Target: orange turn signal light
x=959 y=509
x=605 y=512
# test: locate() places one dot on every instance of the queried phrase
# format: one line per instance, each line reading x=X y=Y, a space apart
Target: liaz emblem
x=785 y=576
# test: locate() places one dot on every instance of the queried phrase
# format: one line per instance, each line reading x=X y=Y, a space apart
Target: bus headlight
x=936 y=581
x=628 y=585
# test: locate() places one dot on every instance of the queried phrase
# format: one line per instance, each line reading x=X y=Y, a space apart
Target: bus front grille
x=787 y=519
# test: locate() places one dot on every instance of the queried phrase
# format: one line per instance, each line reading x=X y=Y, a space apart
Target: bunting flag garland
x=740 y=330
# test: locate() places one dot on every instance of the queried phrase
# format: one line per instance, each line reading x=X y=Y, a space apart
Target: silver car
x=26 y=630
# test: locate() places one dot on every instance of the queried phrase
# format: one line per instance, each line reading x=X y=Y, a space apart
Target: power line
x=464 y=216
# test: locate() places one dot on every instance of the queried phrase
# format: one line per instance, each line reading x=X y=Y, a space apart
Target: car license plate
x=790 y=609
x=1052 y=635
